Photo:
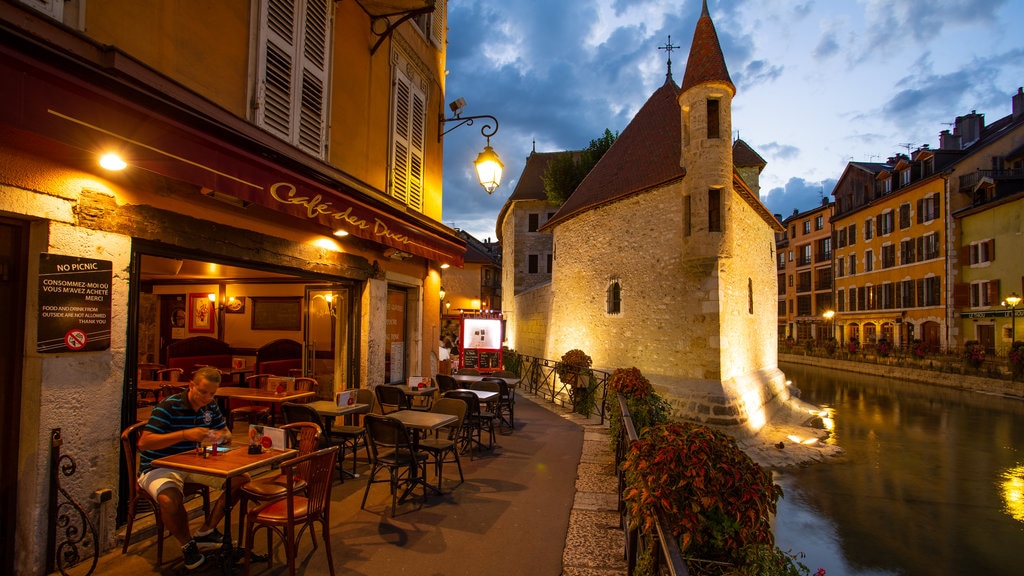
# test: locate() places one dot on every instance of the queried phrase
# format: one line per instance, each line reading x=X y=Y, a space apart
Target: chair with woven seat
x=475 y=422
x=346 y=440
x=297 y=507
x=390 y=398
x=168 y=390
x=139 y=500
x=302 y=436
x=392 y=449
x=445 y=383
x=439 y=448
x=253 y=413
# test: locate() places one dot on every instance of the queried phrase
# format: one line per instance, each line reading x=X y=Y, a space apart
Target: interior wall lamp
x=488 y=165
x=213 y=301
x=329 y=297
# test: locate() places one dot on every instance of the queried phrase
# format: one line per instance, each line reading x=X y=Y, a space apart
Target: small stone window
x=614 y=298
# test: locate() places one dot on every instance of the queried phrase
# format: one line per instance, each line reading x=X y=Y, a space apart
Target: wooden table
x=329 y=410
x=275 y=399
x=224 y=465
x=418 y=421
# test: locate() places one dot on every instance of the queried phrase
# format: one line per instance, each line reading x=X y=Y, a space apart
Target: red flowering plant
x=853 y=344
x=645 y=406
x=919 y=349
x=716 y=499
x=572 y=365
x=884 y=348
x=1016 y=357
x=974 y=353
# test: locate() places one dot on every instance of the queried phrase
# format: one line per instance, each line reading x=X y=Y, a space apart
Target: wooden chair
x=445 y=383
x=253 y=413
x=347 y=438
x=302 y=436
x=294 y=508
x=148 y=370
x=391 y=449
x=139 y=501
x=169 y=374
x=168 y=390
x=440 y=449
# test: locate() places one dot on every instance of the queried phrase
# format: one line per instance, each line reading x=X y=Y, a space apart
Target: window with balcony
x=823 y=279
x=824 y=247
x=292 y=72
x=805 y=255
x=803 y=283
x=803 y=305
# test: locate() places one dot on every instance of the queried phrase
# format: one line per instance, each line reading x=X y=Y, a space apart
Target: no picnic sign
x=74 y=304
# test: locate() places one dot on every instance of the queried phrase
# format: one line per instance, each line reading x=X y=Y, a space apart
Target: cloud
x=798 y=194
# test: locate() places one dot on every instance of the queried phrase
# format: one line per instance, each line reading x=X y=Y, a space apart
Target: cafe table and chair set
x=402 y=429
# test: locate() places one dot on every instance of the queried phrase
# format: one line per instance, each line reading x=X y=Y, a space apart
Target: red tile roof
x=647 y=153
x=706 y=63
x=743 y=156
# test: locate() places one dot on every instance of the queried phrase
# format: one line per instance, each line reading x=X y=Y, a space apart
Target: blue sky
x=819 y=83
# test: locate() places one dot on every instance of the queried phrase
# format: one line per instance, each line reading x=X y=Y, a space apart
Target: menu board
x=488 y=360
x=469 y=358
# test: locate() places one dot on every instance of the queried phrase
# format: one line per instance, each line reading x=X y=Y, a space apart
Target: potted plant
x=853 y=345
x=830 y=346
x=574 y=371
x=919 y=349
x=883 y=348
x=1016 y=357
x=646 y=407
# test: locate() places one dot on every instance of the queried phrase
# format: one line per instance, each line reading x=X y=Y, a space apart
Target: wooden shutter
x=993 y=292
x=439 y=23
x=961 y=295
x=276 y=71
x=308 y=133
x=992 y=249
x=920 y=212
x=409 y=118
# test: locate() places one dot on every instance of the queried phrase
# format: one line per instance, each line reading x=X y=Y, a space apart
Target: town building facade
x=804 y=262
x=283 y=158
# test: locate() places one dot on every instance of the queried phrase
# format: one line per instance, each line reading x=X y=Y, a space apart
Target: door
x=13 y=267
x=329 y=337
x=987 y=337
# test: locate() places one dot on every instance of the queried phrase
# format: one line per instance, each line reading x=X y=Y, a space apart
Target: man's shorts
x=160 y=479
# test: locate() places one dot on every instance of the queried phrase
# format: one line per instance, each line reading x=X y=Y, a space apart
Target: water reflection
x=930 y=482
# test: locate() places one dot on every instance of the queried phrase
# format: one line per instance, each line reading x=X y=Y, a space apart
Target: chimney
x=948 y=142
x=824 y=201
x=1018 y=103
x=968 y=127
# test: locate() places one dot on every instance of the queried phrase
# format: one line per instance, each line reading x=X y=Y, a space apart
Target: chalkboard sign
x=469 y=358
x=276 y=313
x=488 y=360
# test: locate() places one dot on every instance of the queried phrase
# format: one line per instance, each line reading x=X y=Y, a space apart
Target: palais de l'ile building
x=663 y=258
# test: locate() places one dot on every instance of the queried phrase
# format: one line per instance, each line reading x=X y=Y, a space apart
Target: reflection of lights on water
x=804 y=441
x=1013 y=492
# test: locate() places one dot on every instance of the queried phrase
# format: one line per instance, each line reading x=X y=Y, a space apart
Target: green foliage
x=567 y=170
x=511 y=361
x=717 y=500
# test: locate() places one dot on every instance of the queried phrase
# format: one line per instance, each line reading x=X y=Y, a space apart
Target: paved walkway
x=542 y=504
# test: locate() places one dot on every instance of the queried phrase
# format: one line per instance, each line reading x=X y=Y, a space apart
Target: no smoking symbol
x=75 y=339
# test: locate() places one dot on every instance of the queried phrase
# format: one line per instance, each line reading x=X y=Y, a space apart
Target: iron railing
x=539 y=377
x=71 y=538
x=658 y=544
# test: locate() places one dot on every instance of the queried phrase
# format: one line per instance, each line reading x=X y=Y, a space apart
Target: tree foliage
x=567 y=170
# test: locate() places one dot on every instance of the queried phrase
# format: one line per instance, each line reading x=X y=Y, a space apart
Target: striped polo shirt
x=172 y=415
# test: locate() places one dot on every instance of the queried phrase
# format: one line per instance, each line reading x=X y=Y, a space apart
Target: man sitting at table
x=178 y=424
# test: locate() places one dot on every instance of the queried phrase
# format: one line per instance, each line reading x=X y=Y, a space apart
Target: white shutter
x=409 y=119
x=52 y=8
x=400 y=139
x=292 y=74
x=312 y=111
x=439 y=23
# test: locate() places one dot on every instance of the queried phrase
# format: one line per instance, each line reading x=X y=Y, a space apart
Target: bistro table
x=234 y=462
x=329 y=410
x=411 y=392
x=419 y=421
x=466 y=379
x=275 y=399
x=485 y=396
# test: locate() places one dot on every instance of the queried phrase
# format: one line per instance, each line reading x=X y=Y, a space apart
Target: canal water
x=931 y=481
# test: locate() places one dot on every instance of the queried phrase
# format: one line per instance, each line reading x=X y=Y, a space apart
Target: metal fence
x=540 y=377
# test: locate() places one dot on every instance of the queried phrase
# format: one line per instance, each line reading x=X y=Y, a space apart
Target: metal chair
x=474 y=423
x=352 y=437
x=302 y=436
x=392 y=449
x=139 y=500
x=390 y=398
x=296 y=508
x=504 y=407
x=445 y=383
x=440 y=448
x=168 y=374
x=346 y=440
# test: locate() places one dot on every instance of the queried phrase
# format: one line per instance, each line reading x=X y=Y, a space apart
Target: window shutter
x=401 y=148
x=993 y=292
x=52 y=8
x=992 y=249
x=312 y=97
x=965 y=255
x=439 y=23
x=920 y=211
x=961 y=295
x=275 y=80
x=408 y=134
x=920 y=292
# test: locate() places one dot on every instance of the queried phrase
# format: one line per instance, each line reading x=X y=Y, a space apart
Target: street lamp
x=831 y=315
x=488 y=165
x=1011 y=302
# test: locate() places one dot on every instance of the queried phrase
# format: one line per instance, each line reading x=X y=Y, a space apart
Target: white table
x=464 y=379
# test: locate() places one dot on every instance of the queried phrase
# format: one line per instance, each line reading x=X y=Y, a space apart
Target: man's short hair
x=208 y=373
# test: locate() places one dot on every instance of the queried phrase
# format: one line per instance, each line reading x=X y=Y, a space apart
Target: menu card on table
x=268 y=437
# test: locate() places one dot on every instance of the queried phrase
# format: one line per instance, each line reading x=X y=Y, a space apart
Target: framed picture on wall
x=200 y=313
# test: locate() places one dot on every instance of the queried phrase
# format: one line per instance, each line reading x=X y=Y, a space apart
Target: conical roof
x=706 y=62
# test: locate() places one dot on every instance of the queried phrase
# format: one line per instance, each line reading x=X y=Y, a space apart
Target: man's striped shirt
x=175 y=414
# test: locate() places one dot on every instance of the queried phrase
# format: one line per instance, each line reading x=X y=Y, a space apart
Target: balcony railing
x=970 y=180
